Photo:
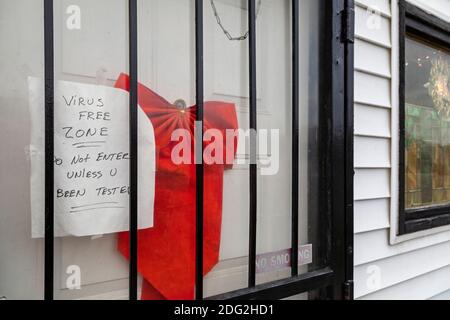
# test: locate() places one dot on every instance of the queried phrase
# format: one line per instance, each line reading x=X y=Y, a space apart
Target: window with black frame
x=424 y=121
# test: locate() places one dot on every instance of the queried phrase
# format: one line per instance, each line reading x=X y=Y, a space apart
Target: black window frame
x=335 y=278
x=417 y=23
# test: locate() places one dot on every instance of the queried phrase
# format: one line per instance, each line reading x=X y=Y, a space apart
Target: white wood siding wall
x=416 y=269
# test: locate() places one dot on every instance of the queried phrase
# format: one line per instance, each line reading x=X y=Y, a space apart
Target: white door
x=96 y=51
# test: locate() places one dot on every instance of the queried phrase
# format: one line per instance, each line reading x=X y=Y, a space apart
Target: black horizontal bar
x=283 y=288
x=49 y=150
x=199 y=141
x=133 y=129
x=416 y=14
x=427 y=212
x=253 y=127
x=426 y=223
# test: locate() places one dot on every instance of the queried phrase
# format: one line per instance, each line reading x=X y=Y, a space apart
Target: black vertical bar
x=295 y=135
x=337 y=173
x=133 y=147
x=253 y=147
x=199 y=149
x=349 y=148
x=49 y=150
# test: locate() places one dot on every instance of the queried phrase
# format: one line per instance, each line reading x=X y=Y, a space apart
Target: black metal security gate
x=336 y=161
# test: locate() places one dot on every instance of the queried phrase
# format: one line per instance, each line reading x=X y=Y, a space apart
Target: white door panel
x=98 y=53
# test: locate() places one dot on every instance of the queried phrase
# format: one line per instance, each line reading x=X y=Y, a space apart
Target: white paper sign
x=91 y=160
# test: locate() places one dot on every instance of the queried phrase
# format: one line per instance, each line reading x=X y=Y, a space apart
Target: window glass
x=91 y=61
x=91 y=149
x=21 y=56
x=226 y=75
x=427 y=124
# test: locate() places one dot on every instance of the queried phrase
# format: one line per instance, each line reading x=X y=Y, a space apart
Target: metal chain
x=225 y=31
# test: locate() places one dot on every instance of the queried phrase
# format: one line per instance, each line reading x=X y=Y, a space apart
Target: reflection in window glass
x=91 y=161
x=427 y=124
x=226 y=74
x=21 y=56
x=91 y=149
x=166 y=252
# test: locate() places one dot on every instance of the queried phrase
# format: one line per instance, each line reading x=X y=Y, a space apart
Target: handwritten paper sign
x=91 y=160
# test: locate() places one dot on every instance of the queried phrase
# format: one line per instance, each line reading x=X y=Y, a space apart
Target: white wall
x=417 y=267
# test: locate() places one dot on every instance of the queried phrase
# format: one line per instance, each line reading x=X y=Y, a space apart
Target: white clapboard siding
x=372 y=27
x=422 y=287
x=372 y=184
x=371 y=215
x=400 y=268
x=382 y=6
x=372 y=90
x=371 y=152
x=372 y=121
x=415 y=269
x=372 y=246
x=372 y=58
x=442 y=296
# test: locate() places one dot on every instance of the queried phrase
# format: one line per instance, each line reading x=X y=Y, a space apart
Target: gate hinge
x=348 y=24
x=348 y=290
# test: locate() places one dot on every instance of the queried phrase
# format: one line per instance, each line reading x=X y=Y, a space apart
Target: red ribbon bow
x=166 y=252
